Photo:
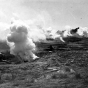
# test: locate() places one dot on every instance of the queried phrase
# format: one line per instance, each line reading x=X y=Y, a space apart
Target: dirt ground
x=57 y=69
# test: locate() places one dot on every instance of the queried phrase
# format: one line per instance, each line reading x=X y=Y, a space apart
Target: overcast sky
x=57 y=13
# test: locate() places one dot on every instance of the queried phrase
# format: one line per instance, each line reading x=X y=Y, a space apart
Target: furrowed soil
x=56 y=69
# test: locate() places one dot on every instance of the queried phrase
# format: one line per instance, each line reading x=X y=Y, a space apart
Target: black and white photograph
x=43 y=43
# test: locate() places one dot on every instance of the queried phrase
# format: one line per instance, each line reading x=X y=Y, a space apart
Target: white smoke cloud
x=20 y=43
x=68 y=29
x=39 y=26
x=4 y=30
x=37 y=34
x=66 y=32
x=83 y=32
x=54 y=34
x=36 y=31
x=51 y=33
x=69 y=33
x=79 y=32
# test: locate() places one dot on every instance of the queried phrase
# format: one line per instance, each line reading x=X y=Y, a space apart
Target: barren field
x=57 y=69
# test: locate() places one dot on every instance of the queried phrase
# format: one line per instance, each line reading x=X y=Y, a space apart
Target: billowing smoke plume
x=74 y=34
x=22 y=37
x=54 y=34
x=66 y=32
x=41 y=28
x=83 y=32
x=37 y=34
x=20 y=43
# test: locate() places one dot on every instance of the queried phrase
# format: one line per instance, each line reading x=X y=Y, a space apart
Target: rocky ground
x=57 y=69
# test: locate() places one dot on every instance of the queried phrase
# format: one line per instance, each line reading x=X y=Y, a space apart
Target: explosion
x=23 y=39
x=20 y=43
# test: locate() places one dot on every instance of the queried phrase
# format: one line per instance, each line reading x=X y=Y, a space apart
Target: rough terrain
x=66 y=67
x=57 y=69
